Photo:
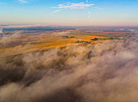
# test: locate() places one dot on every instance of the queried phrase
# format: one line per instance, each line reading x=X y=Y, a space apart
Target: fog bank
x=104 y=72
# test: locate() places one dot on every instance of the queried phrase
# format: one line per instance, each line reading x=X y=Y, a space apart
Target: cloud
x=61 y=33
x=55 y=11
x=103 y=72
x=1 y=30
x=74 y=6
x=22 y=1
x=14 y=36
x=8 y=40
x=89 y=15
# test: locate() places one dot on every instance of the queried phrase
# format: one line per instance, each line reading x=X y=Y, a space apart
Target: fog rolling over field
x=68 y=51
x=1 y=30
x=102 y=72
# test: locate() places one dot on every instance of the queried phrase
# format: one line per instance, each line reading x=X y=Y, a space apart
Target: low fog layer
x=104 y=72
x=1 y=30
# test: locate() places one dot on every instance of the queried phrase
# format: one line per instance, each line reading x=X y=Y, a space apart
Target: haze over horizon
x=69 y=12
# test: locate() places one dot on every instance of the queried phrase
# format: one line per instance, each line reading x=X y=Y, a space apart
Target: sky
x=69 y=12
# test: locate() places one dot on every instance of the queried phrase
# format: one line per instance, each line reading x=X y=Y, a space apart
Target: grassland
x=43 y=40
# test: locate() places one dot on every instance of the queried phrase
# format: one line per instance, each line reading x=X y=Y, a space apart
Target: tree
x=95 y=39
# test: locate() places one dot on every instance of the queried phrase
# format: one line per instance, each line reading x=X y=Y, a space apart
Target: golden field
x=23 y=43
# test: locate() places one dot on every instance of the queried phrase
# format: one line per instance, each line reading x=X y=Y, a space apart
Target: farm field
x=23 y=41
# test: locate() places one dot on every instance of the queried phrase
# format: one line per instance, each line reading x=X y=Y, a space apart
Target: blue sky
x=70 y=12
